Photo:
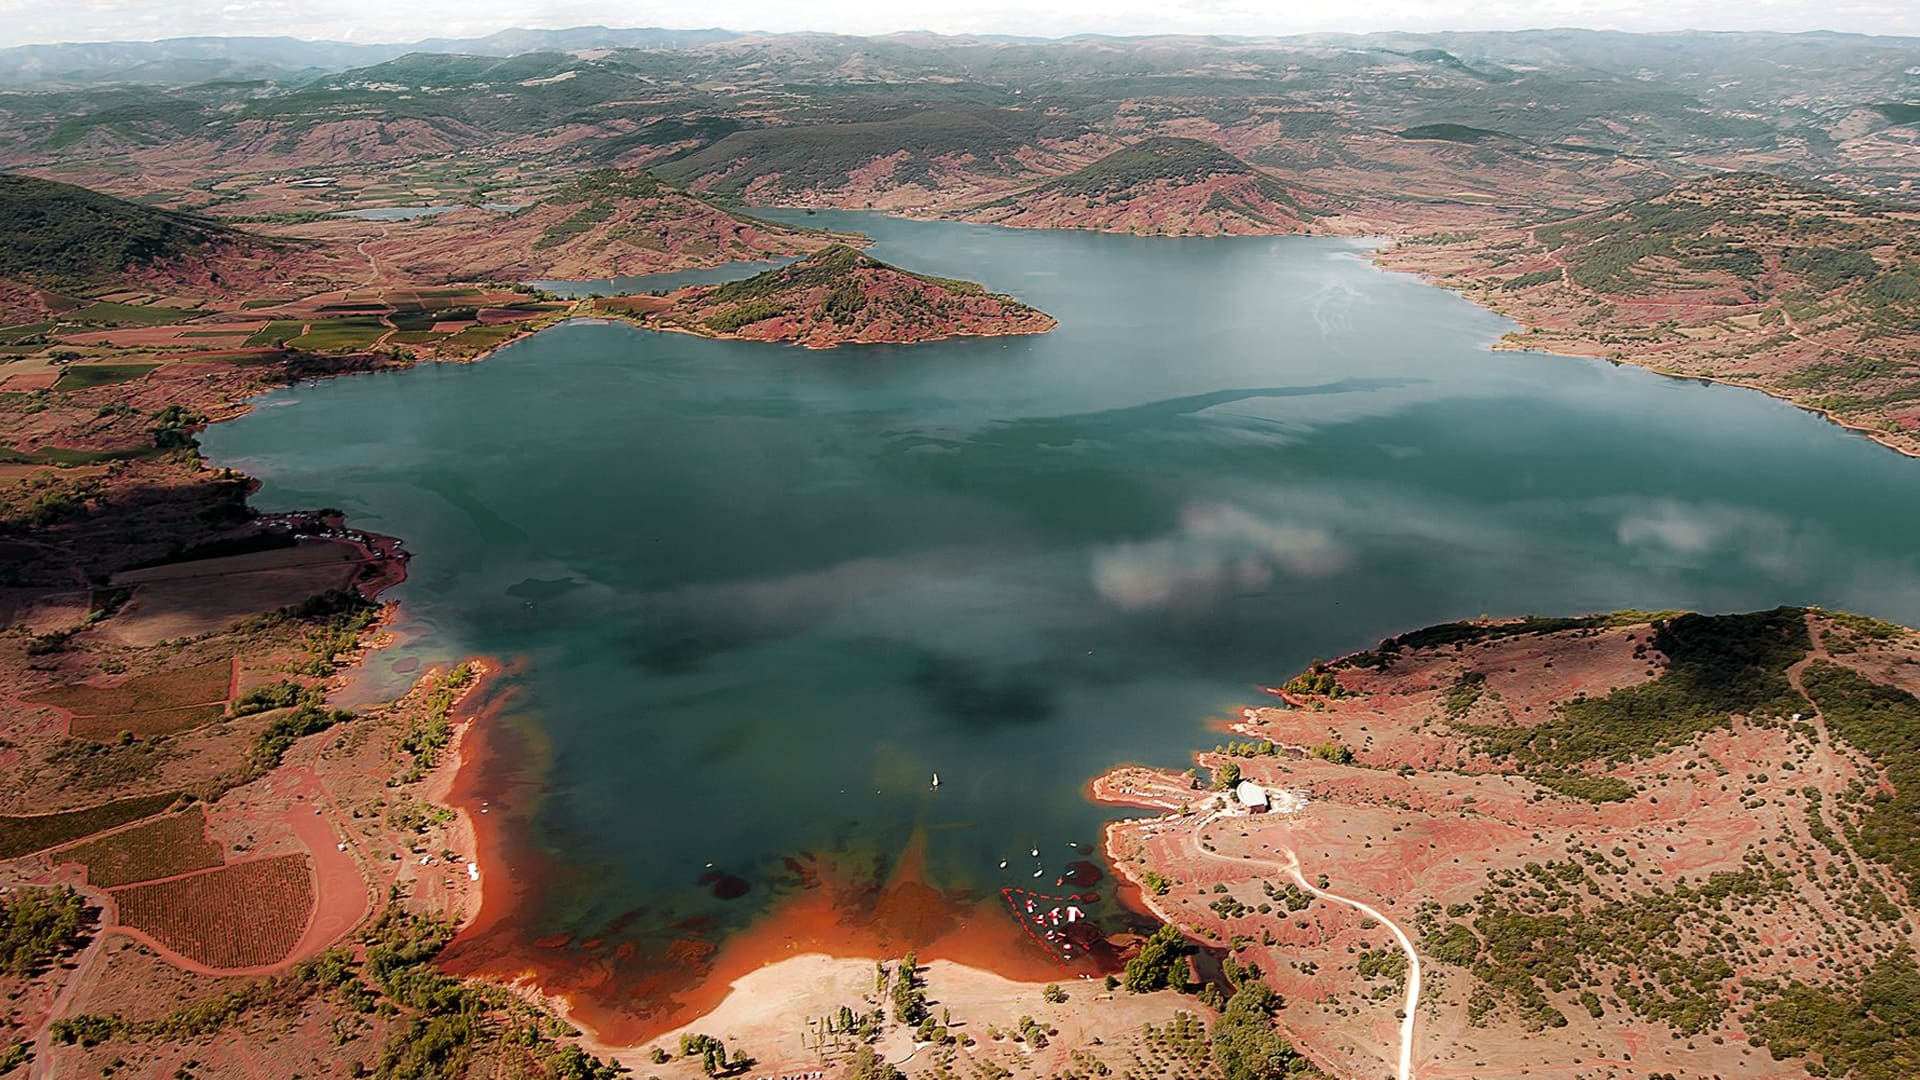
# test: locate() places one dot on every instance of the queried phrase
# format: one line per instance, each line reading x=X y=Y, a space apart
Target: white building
x=1252 y=796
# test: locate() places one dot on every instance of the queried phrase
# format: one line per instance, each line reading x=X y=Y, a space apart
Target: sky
x=33 y=21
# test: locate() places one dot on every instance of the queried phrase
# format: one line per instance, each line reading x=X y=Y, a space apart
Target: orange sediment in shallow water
x=626 y=992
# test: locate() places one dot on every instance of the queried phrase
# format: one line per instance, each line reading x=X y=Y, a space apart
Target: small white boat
x=1003 y=864
x=1037 y=873
x=936 y=779
x=1035 y=853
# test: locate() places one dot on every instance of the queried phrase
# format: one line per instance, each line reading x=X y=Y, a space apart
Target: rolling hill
x=833 y=297
x=927 y=150
x=604 y=223
x=1806 y=292
x=62 y=239
x=1159 y=186
x=59 y=235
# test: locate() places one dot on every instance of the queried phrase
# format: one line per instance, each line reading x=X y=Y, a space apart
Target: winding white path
x=1292 y=868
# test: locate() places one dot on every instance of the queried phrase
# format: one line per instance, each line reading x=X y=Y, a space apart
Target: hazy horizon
x=367 y=22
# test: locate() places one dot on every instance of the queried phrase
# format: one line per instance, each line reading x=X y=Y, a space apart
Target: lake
x=755 y=596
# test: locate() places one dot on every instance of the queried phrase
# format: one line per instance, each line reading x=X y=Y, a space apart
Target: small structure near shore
x=1253 y=797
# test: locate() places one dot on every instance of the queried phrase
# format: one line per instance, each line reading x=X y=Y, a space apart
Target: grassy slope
x=62 y=235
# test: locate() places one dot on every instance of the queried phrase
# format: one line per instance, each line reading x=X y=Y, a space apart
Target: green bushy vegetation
x=1461 y=634
x=1152 y=968
x=600 y=184
x=1460 y=133
x=62 y=235
x=1464 y=694
x=428 y=733
x=1319 y=678
x=1830 y=268
x=1530 y=280
x=1181 y=161
x=447 y=1024
x=802 y=157
x=1538 y=936
x=574 y=224
x=836 y=270
x=1718 y=666
x=1868 y=1032
x=37 y=926
x=1244 y=1044
x=279 y=694
x=1882 y=722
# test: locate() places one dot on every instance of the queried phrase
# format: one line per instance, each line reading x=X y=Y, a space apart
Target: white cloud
x=1218 y=550
x=1690 y=533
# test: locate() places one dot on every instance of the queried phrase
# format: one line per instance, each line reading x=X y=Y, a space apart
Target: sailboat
x=936 y=779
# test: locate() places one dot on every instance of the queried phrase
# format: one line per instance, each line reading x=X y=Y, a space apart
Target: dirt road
x=1291 y=867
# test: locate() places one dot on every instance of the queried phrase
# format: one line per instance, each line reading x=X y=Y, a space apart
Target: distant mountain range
x=180 y=61
x=189 y=60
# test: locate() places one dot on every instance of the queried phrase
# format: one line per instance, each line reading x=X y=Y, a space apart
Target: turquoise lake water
x=762 y=593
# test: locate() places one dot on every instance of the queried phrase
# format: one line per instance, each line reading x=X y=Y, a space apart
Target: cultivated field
x=23 y=834
x=241 y=916
x=157 y=848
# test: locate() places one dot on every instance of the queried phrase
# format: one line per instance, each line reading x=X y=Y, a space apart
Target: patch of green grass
x=340 y=335
x=484 y=337
x=24 y=330
x=84 y=376
x=277 y=333
x=59 y=455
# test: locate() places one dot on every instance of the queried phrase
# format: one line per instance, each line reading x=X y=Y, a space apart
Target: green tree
x=1226 y=776
x=1245 y=1045
x=1152 y=967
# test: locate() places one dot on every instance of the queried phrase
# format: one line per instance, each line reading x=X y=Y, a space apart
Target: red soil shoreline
x=622 y=998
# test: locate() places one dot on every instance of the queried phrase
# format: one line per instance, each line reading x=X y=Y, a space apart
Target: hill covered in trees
x=62 y=236
x=837 y=296
x=601 y=223
x=1163 y=185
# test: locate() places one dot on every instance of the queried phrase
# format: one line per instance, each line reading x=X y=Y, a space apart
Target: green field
x=57 y=455
x=277 y=333
x=485 y=337
x=340 y=335
x=82 y=376
x=15 y=333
